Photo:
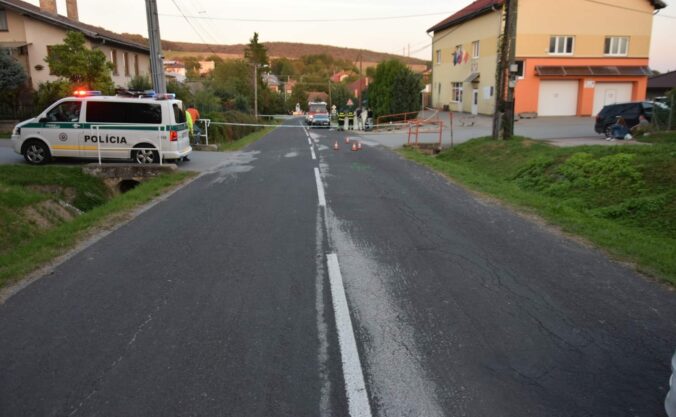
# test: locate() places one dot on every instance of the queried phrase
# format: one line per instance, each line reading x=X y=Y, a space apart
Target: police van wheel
x=36 y=153
x=145 y=156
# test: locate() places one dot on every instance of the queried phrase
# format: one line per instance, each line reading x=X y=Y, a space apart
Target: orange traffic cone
x=354 y=146
x=347 y=139
x=335 y=146
x=359 y=146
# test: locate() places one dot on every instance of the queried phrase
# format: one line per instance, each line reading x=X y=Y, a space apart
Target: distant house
x=28 y=31
x=289 y=85
x=271 y=81
x=573 y=57
x=360 y=84
x=660 y=85
x=175 y=70
x=206 y=67
x=340 y=76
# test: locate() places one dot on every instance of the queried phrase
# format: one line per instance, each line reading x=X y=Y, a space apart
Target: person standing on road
x=358 y=125
x=195 y=130
x=364 y=118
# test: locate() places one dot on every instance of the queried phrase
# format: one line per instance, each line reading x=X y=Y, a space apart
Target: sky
x=393 y=26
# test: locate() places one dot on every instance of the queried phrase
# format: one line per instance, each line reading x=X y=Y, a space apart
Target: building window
x=561 y=45
x=3 y=21
x=616 y=46
x=520 y=69
x=475 y=49
x=438 y=56
x=456 y=92
x=125 y=59
x=113 y=59
x=136 y=65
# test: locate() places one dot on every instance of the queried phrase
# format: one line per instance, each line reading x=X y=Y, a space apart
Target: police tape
x=339 y=125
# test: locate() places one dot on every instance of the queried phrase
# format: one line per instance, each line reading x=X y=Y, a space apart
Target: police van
x=89 y=125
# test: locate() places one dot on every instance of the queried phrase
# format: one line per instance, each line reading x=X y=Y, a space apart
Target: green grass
x=245 y=141
x=5 y=135
x=668 y=137
x=25 y=244
x=622 y=198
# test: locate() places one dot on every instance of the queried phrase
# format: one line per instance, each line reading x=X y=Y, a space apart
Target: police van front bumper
x=16 y=143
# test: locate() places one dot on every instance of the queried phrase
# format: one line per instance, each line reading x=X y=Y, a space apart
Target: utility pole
x=361 y=76
x=156 y=58
x=256 y=90
x=503 y=119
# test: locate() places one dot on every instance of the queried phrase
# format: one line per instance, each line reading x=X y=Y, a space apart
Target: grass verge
x=46 y=211
x=240 y=144
x=622 y=198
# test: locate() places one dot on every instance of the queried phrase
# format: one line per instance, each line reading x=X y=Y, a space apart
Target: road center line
x=320 y=188
x=355 y=388
x=312 y=151
x=309 y=142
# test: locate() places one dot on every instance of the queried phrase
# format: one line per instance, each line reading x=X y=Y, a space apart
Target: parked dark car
x=321 y=120
x=629 y=111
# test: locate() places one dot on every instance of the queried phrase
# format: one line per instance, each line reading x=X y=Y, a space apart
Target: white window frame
x=476 y=49
x=4 y=25
x=615 y=46
x=438 y=56
x=560 y=43
x=457 y=91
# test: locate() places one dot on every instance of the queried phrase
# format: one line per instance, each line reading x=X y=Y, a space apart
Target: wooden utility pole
x=156 y=58
x=503 y=119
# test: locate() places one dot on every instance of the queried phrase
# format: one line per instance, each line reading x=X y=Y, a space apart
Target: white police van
x=89 y=125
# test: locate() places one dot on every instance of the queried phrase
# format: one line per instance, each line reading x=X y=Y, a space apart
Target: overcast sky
x=230 y=22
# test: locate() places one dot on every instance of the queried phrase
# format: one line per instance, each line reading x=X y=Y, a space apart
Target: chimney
x=71 y=9
x=48 y=6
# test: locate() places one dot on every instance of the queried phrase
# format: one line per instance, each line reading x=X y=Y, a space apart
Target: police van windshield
x=68 y=111
x=120 y=112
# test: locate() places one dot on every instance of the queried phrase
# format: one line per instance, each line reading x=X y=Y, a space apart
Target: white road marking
x=312 y=151
x=320 y=189
x=355 y=388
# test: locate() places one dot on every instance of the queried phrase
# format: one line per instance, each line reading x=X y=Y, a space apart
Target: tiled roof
x=480 y=7
x=92 y=32
x=477 y=8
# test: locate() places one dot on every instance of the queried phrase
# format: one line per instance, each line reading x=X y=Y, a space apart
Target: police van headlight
x=16 y=131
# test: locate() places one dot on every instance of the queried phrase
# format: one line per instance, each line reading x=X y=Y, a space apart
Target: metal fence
x=664 y=115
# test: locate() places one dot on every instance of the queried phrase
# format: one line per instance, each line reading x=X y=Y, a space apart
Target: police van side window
x=68 y=111
x=179 y=115
x=129 y=113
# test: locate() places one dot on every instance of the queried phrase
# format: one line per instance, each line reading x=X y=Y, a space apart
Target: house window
x=456 y=92
x=475 y=49
x=136 y=65
x=561 y=45
x=520 y=69
x=125 y=59
x=113 y=59
x=3 y=21
x=438 y=56
x=616 y=46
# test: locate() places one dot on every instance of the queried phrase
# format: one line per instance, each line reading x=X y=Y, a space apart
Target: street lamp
x=256 y=66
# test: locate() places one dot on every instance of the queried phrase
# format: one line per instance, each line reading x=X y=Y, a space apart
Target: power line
x=346 y=19
x=193 y=27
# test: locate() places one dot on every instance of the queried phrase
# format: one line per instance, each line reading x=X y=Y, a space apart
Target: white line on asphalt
x=320 y=188
x=312 y=151
x=309 y=142
x=355 y=388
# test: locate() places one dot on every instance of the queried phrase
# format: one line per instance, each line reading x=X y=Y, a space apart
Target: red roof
x=475 y=9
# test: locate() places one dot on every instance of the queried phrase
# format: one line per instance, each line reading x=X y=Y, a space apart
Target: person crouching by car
x=619 y=130
x=195 y=130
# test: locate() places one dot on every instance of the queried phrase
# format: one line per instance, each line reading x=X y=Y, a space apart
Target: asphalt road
x=259 y=291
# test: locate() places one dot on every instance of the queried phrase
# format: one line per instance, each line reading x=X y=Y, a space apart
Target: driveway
x=467 y=126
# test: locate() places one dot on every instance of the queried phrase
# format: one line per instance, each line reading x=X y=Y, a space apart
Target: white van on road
x=89 y=125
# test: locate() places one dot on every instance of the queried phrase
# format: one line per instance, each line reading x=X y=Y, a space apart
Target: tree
x=256 y=53
x=140 y=83
x=395 y=89
x=12 y=74
x=79 y=65
x=340 y=94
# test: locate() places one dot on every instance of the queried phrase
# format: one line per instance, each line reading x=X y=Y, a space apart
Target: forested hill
x=276 y=49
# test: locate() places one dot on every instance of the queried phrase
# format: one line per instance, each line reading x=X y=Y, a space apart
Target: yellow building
x=571 y=60
x=28 y=31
